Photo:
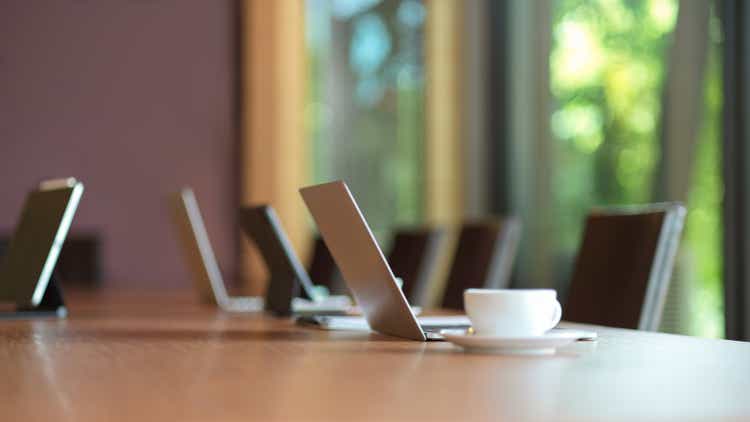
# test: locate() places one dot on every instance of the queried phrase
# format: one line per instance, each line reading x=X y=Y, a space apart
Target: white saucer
x=531 y=345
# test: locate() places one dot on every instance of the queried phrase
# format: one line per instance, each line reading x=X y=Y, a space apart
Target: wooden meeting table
x=162 y=357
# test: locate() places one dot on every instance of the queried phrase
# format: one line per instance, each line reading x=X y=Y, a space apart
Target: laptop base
x=242 y=304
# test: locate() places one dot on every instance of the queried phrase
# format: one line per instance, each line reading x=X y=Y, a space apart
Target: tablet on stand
x=26 y=271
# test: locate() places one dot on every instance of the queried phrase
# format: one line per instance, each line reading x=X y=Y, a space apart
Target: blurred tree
x=607 y=70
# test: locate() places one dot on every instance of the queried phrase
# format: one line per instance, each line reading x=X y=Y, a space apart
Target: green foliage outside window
x=607 y=75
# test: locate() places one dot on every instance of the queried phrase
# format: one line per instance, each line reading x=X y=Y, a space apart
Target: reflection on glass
x=366 y=100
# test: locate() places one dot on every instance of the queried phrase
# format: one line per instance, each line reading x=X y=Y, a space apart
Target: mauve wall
x=135 y=98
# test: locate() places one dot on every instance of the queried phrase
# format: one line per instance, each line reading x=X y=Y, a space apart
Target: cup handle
x=556 y=316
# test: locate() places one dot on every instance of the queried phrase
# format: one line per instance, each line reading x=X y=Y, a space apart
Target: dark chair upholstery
x=624 y=264
x=80 y=262
x=484 y=257
x=414 y=257
x=323 y=270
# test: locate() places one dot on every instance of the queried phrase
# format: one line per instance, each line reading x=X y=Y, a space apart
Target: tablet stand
x=52 y=304
x=279 y=294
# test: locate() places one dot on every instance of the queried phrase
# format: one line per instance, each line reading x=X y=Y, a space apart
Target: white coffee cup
x=512 y=312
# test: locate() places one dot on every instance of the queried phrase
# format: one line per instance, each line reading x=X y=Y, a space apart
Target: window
x=608 y=74
x=366 y=103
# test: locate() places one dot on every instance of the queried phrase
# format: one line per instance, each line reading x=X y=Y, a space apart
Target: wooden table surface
x=162 y=357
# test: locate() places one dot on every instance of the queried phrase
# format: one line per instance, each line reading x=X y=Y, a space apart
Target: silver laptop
x=201 y=259
x=365 y=269
x=368 y=274
x=207 y=276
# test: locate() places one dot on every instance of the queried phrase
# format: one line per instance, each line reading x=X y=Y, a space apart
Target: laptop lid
x=197 y=247
x=362 y=263
x=262 y=226
x=37 y=240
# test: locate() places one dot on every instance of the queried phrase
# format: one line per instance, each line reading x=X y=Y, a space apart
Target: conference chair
x=624 y=264
x=323 y=270
x=483 y=258
x=414 y=258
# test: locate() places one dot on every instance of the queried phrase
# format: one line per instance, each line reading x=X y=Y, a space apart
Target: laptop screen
x=360 y=259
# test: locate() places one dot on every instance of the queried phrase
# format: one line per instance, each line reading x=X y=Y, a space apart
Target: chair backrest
x=414 y=257
x=484 y=257
x=323 y=270
x=624 y=265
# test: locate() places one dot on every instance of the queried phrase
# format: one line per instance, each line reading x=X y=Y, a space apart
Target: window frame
x=736 y=157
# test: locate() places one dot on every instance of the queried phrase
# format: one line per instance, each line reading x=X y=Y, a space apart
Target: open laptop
x=365 y=269
x=280 y=297
x=200 y=257
x=368 y=274
x=28 y=264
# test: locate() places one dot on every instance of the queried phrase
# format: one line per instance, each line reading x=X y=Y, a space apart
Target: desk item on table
x=26 y=277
